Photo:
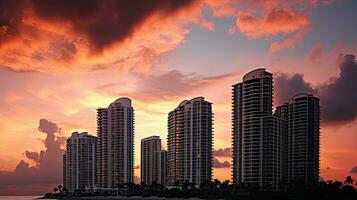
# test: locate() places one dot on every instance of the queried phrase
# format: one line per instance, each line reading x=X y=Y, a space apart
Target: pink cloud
x=288 y=42
x=285 y=21
x=316 y=53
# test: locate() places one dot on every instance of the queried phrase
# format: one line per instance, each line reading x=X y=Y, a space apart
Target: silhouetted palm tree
x=217 y=183
x=60 y=187
x=349 y=180
x=225 y=184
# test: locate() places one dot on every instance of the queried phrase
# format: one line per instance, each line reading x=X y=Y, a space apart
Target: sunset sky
x=60 y=60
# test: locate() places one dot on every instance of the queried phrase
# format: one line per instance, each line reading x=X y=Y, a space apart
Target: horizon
x=60 y=61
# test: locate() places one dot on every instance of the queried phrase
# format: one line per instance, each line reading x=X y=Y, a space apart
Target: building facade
x=80 y=162
x=150 y=155
x=162 y=158
x=115 y=130
x=64 y=170
x=189 y=142
x=302 y=114
x=256 y=139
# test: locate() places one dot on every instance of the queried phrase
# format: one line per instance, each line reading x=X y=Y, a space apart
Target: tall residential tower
x=150 y=160
x=256 y=133
x=80 y=162
x=302 y=114
x=190 y=142
x=115 y=129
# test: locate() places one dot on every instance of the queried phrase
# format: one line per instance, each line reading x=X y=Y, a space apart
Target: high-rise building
x=64 y=170
x=162 y=158
x=115 y=129
x=80 y=162
x=256 y=133
x=150 y=149
x=190 y=142
x=302 y=114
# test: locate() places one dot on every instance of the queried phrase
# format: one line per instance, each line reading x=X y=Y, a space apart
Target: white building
x=256 y=133
x=80 y=162
x=190 y=142
x=151 y=164
x=115 y=129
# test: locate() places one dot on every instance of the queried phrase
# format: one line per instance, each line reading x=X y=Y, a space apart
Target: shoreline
x=117 y=197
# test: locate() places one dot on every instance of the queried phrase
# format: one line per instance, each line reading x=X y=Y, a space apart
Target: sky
x=61 y=60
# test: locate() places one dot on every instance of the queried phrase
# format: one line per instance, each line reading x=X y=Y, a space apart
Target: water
x=19 y=197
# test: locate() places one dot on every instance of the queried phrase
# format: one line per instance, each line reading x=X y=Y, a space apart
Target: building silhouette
x=162 y=158
x=189 y=142
x=115 y=130
x=256 y=133
x=64 y=169
x=150 y=160
x=302 y=138
x=80 y=162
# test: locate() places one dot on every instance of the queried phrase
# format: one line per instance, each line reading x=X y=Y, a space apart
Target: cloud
x=176 y=84
x=353 y=170
x=51 y=36
x=288 y=42
x=47 y=171
x=316 y=53
x=221 y=8
x=287 y=86
x=288 y=20
x=32 y=156
x=337 y=96
x=222 y=152
x=137 y=167
x=218 y=164
x=284 y=21
x=102 y=22
x=232 y=30
x=206 y=24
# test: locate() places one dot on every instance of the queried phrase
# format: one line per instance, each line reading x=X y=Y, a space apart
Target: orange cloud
x=287 y=43
x=283 y=21
x=206 y=24
x=50 y=37
x=221 y=8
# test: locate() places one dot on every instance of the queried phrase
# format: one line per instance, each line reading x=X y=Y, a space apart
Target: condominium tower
x=302 y=113
x=151 y=161
x=80 y=162
x=189 y=142
x=256 y=133
x=162 y=158
x=115 y=129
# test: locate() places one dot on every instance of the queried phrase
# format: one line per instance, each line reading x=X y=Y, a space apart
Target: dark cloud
x=287 y=86
x=218 y=164
x=101 y=22
x=338 y=96
x=47 y=171
x=354 y=170
x=32 y=156
x=10 y=18
x=222 y=152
